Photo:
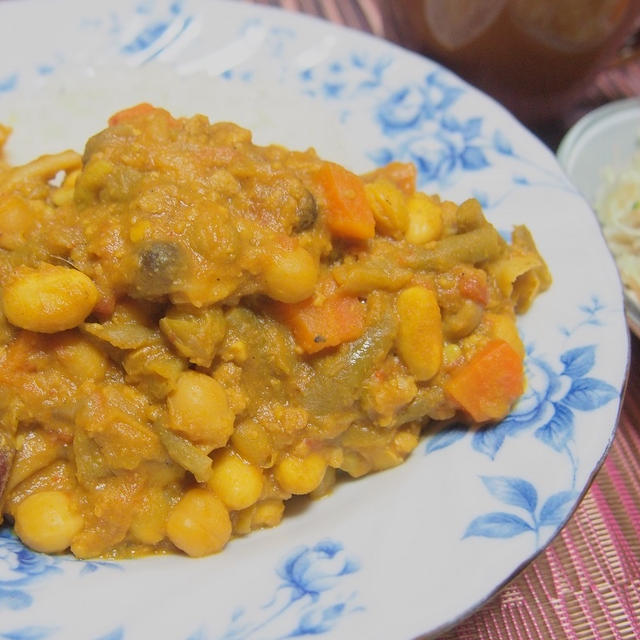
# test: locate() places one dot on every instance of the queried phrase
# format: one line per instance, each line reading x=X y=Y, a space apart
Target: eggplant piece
x=306 y=212
x=161 y=264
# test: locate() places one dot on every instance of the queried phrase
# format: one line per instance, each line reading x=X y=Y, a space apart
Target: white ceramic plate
x=604 y=140
x=401 y=553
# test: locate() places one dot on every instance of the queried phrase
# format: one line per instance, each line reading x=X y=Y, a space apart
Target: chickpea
x=81 y=358
x=268 y=513
x=389 y=208
x=463 y=321
x=199 y=409
x=46 y=521
x=242 y=521
x=251 y=441
x=199 y=524
x=327 y=484
x=425 y=219
x=48 y=299
x=300 y=475
x=236 y=482
x=148 y=523
x=290 y=276
x=503 y=326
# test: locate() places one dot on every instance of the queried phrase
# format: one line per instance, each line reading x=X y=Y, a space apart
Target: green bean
x=469 y=216
x=368 y=274
x=471 y=247
x=338 y=377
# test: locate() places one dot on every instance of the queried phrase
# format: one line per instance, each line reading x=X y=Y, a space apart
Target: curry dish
x=195 y=328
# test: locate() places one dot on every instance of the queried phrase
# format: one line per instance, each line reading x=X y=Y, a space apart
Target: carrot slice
x=129 y=114
x=348 y=212
x=317 y=325
x=487 y=386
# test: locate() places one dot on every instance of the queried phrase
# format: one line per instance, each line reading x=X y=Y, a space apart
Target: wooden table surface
x=586 y=584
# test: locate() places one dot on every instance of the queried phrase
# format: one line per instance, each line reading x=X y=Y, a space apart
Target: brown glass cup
x=535 y=56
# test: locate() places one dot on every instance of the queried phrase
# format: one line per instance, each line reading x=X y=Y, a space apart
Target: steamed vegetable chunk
x=194 y=328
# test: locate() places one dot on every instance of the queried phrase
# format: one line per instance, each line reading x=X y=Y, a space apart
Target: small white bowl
x=605 y=138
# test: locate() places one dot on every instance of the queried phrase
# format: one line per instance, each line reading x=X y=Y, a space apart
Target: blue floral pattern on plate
x=23 y=570
x=20 y=568
x=307 y=594
x=388 y=105
x=420 y=124
x=546 y=410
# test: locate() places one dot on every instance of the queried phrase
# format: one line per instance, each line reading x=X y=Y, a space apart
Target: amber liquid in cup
x=535 y=56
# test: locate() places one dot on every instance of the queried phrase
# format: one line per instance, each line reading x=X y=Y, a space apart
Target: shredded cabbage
x=618 y=209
